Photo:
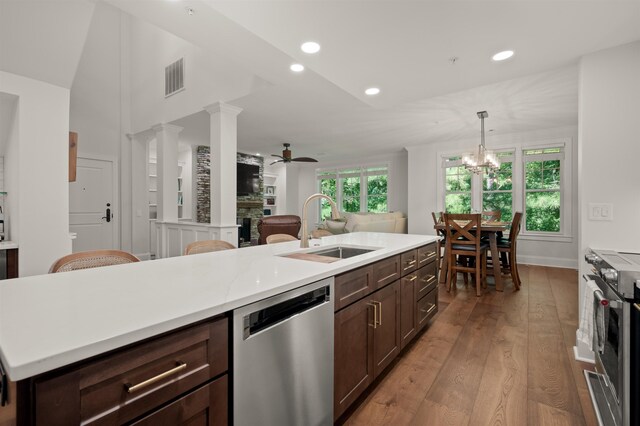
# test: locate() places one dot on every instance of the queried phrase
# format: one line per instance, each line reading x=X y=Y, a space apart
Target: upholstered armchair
x=283 y=224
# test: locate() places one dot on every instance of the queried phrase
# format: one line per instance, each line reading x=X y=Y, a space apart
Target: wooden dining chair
x=91 y=259
x=492 y=216
x=437 y=219
x=280 y=238
x=207 y=246
x=510 y=248
x=464 y=240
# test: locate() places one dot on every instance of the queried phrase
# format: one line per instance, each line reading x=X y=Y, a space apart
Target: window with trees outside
x=532 y=179
x=458 y=186
x=543 y=185
x=497 y=187
x=356 y=189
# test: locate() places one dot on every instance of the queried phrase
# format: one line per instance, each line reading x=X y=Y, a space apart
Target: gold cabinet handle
x=428 y=279
x=413 y=278
x=133 y=388
x=379 y=313
x=411 y=262
x=375 y=314
x=428 y=311
x=429 y=254
x=637 y=306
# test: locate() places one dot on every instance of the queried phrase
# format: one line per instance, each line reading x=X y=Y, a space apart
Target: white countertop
x=49 y=321
x=6 y=245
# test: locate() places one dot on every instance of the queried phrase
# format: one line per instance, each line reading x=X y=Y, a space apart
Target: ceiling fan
x=286 y=156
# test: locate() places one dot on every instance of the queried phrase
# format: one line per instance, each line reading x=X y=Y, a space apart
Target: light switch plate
x=600 y=211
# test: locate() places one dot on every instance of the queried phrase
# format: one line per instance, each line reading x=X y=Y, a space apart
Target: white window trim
x=566 y=194
x=334 y=173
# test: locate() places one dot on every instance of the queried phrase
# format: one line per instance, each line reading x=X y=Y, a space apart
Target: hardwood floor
x=504 y=358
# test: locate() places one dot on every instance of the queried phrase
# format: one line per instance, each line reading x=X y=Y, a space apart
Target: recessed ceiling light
x=310 y=47
x=296 y=67
x=501 y=56
x=371 y=91
x=258 y=154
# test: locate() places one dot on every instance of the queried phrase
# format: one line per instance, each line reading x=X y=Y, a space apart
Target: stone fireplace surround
x=248 y=206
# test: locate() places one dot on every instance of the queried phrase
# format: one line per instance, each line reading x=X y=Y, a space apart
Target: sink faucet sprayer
x=304 y=239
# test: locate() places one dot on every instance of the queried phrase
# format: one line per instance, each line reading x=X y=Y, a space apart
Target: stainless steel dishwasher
x=283 y=359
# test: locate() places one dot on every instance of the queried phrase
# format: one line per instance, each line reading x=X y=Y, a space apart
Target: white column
x=224 y=147
x=167 y=169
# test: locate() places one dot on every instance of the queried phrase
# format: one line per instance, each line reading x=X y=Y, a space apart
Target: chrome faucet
x=304 y=239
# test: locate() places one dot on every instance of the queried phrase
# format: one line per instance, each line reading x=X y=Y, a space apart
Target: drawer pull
x=133 y=388
x=387 y=277
x=411 y=262
x=428 y=255
x=428 y=279
x=637 y=306
x=413 y=278
x=375 y=314
x=428 y=311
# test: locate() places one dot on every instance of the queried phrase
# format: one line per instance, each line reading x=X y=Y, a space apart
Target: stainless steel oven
x=616 y=336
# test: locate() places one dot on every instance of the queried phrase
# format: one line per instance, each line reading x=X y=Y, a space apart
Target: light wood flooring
x=504 y=358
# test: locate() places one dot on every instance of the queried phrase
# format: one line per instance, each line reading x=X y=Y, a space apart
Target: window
x=457 y=194
x=497 y=188
x=356 y=189
x=543 y=185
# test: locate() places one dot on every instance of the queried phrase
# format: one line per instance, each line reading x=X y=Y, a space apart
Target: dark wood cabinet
x=386 y=334
x=353 y=356
x=409 y=262
x=426 y=308
x=408 y=301
x=386 y=271
x=372 y=327
x=206 y=406
x=353 y=285
x=126 y=384
x=426 y=254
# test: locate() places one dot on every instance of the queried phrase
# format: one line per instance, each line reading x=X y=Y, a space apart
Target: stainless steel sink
x=341 y=252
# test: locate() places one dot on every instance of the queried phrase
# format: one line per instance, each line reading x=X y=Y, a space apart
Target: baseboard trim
x=578 y=357
x=143 y=256
x=556 y=262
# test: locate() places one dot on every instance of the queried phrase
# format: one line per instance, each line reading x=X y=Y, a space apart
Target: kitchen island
x=58 y=321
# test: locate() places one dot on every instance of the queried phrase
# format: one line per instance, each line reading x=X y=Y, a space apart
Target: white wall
x=425 y=165
x=39 y=181
x=208 y=78
x=609 y=148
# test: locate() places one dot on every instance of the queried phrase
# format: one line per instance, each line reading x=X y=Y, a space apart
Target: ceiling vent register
x=174 y=78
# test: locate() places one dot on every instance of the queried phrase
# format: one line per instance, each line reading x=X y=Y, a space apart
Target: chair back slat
x=492 y=215
x=515 y=227
x=437 y=220
x=464 y=229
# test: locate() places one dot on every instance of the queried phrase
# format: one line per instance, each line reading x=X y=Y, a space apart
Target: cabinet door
x=353 y=363
x=386 y=271
x=386 y=339
x=408 y=308
x=426 y=254
x=206 y=406
x=427 y=280
x=426 y=308
x=353 y=285
x=409 y=262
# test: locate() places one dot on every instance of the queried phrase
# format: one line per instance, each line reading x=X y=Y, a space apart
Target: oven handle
x=599 y=319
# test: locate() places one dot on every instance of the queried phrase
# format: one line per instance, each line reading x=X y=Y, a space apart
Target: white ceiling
x=403 y=47
x=43 y=39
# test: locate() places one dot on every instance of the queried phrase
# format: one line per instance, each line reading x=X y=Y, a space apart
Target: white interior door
x=91 y=205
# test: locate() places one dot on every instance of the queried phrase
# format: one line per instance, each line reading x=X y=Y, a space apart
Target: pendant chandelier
x=483 y=159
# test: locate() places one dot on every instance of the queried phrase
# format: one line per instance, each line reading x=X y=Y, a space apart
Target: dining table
x=492 y=230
